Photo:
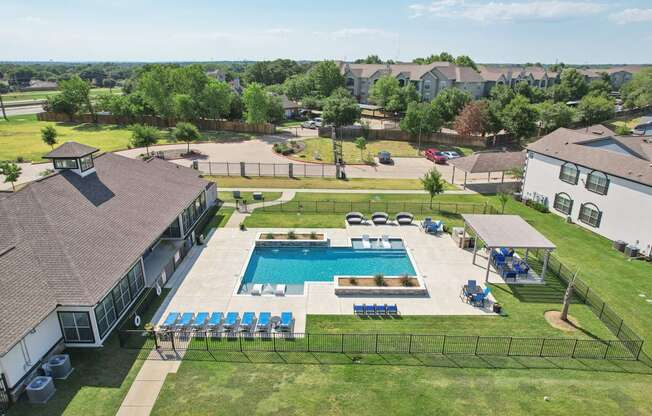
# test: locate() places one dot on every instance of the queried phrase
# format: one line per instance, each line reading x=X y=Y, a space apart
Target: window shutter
x=606 y=188
x=597 y=225
x=570 y=207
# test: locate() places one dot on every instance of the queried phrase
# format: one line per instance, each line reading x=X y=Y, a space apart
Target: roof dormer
x=73 y=156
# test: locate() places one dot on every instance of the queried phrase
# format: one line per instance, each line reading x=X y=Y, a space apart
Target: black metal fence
x=5 y=401
x=341 y=207
x=599 y=307
x=181 y=342
x=286 y=170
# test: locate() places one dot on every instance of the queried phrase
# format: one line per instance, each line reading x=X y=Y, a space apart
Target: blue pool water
x=295 y=265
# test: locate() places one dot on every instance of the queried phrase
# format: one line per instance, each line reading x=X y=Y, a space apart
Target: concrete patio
x=209 y=277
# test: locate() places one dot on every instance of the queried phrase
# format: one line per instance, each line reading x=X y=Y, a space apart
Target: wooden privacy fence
x=351 y=132
x=202 y=124
x=380 y=343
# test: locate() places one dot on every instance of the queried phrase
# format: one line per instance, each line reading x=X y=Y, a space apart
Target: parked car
x=436 y=156
x=309 y=124
x=318 y=121
x=451 y=154
x=385 y=157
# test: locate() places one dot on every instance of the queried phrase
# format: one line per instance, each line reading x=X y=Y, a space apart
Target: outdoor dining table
x=476 y=290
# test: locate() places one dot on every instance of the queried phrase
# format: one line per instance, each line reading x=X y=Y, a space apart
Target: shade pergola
x=487 y=163
x=510 y=231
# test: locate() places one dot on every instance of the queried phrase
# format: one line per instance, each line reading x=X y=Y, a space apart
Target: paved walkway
x=238 y=217
x=344 y=191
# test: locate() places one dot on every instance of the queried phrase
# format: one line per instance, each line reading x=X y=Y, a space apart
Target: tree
x=450 y=102
x=638 y=91
x=442 y=57
x=272 y=72
x=600 y=87
x=519 y=118
x=49 y=136
x=383 y=90
x=275 y=111
x=421 y=119
x=554 y=115
x=596 y=109
x=473 y=119
x=215 y=100
x=503 y=198
x=144 y=136
x=502 y=94
x=185 y=107
x=296 y=87
x=325 y=77
x=433 y=183
x=559 y=93
x=109 y=83
x=157 y=85
x=361 y=144
x=74 y=97
x=464 y=60
x=185 y=132
x=11 y=172
x=574 y=82
x=568 y=297
x=2 y=105
x=256 y=103
x=341 y=109
x=370 y=59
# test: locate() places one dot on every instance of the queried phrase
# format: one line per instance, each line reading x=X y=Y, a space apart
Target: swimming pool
x=293 y=266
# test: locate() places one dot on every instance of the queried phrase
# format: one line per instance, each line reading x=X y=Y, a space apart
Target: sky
x=490 y=31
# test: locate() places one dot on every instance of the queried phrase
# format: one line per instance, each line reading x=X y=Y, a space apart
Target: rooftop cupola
x=73 y=156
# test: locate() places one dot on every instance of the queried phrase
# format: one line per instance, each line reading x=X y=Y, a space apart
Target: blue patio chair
x=200 y=321
x=247 y=321
x=486 y=291
x=478 y=299
x=427 y=221
x=381 y=309
x=286 y=321
x=170 y=320
x=186 y=320
x=264 y=321
x=215 y=320
x=369 y=310
x=507 y=252
x=392 y=309
x=231 y=320
x=358 y=309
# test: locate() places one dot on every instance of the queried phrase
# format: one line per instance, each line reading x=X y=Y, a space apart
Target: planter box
x=280 y=240
x=367 y=286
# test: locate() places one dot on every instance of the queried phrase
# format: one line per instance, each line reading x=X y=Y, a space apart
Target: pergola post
x=463 y=237
x=464 y=187
x=453 y=178
x=527 y=251
x=502 y=178
x=488 y=176
x=486 y=277
x=545 y=264
x=475 y=247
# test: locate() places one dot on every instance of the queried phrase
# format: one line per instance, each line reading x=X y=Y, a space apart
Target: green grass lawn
x=101 y=379
x=315 y=183
x=21 y=137
x=324 y=148
x=41 y=95
x=248 y=196
x=329 y=384
x=219 y=219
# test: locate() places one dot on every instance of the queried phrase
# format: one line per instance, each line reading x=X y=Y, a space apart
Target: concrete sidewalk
x=345 y=191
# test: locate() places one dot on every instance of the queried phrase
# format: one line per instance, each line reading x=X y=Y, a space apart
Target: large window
x=76 y=327
x=563 y=203
x=65 y=163
x=569 y=173
x=597 y=182
x=136 y=280
x=590 y=215
x=105 y=315
x=121 y=296
x=173 y=231
x=193 y=212
x=86 y=162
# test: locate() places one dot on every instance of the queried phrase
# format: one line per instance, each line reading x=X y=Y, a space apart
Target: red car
x=436 y=156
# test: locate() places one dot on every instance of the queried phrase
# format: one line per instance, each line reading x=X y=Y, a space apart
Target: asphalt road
x=28 y=109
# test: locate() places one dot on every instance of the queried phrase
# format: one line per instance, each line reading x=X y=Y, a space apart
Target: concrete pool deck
x=210 y=276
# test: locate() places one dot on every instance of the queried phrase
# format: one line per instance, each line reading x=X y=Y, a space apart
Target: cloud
x=32 y=20
x=357 y=32
x=507 y=11
x=632 y=16
x=279 y=31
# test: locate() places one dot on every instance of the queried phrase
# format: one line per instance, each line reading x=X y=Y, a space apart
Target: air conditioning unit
x=40 y=389
x=60 y=367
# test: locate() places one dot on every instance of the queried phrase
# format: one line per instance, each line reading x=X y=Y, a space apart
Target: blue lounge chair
x=200 y=321
x=247 y=321
x=170 y=320
x=486 y=291
x=507 y=252
x=286 y=321
x=215 y=320
x=478 y=299
x=358 y=309
x=435 y=227
x=186 y=320
x=381 y=309
x=392 y=309
x=231 y=321
x=369 y=310
x=264 y=321
x=426 y=223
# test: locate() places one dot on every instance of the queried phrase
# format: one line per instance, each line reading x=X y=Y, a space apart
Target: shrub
x=313 y=235
x=353 y=281
x=379 y=279
x=405 y=280
x=20 y=159
x=269 y=236
x=537 y=206
x=292 y=235
x=623 y=130
x=242 y=226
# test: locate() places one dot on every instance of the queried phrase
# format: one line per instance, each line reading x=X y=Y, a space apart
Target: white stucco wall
x=22 y=357
x=626 y=208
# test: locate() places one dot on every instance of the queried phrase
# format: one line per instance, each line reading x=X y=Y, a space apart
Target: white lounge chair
x=257 y=289
x=280 y=290
x=385 y=241
x=365 y=241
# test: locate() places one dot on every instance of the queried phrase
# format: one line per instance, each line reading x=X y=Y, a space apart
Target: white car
x=451 y=155
x=318 y=121
x=309 y=124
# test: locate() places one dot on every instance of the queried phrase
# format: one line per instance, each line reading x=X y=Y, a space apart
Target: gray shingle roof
x=509 y=231
x=489 y=162
x=67 y=240
x=571 y=146
x=71 y=149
